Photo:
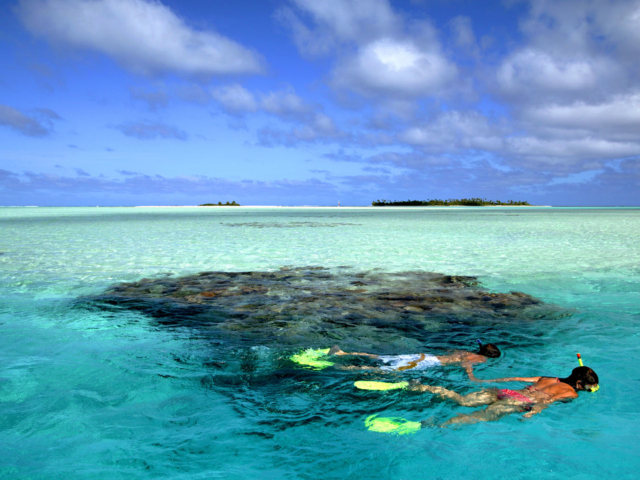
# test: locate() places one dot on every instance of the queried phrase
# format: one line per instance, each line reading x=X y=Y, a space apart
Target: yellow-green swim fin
x=313 y=358
x=394 y=425
x=380 y=385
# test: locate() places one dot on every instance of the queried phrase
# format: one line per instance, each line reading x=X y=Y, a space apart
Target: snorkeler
x=421 y=361
x=502 y=401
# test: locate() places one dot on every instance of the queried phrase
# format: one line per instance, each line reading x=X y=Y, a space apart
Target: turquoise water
x=111 y=393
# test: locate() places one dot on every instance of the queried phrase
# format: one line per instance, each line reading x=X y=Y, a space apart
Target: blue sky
x=311 y=102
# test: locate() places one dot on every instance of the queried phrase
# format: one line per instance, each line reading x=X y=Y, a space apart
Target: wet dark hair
x=489 y=350
x=582 y=374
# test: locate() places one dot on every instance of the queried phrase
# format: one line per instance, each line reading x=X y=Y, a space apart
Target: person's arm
x=360 y=354
x=511 y=379
x=564 y=397
x=536 y=409
x=336 y=350
x=468 y=367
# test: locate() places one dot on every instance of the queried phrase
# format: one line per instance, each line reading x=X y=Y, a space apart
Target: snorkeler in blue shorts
x=422 y=361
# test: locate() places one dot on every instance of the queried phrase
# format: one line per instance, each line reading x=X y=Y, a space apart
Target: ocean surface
x=98 y=390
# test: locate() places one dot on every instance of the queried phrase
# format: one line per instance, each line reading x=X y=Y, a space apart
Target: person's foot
x=430 y=422
x=335 y=350
x=417 y=386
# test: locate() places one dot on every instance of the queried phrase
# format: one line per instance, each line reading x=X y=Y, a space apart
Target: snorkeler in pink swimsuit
x=532 y=399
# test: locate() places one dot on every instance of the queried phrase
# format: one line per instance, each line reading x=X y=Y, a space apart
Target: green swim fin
x=313 y=358
x=381 y=385
x=394 y=425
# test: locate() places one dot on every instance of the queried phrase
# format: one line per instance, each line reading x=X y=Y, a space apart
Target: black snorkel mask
x=593 y=389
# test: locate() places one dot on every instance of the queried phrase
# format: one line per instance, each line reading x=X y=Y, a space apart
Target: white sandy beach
x=336 y=207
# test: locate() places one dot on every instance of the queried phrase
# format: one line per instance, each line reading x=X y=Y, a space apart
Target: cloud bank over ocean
x=308 y=101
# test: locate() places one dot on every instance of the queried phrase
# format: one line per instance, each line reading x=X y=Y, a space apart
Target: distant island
x=220 y=204
x=464 y=202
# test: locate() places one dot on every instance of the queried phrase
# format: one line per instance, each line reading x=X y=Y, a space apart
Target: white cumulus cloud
x=396 y=67
x=335 y=21
x=616 y=119
x=235 y=99
x=143 y=36
x=378 y=51
x=623 y=111
x=285 y=103
x=454 y=130
x=531 y=70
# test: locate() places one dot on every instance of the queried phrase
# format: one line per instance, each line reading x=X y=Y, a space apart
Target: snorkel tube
x=582 y=365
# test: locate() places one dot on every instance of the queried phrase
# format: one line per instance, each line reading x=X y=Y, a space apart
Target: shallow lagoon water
x=113 y=393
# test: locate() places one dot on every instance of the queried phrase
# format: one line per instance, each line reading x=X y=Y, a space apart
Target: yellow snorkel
x=597 y=387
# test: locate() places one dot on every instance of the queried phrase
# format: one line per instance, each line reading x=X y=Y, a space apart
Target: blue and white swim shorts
x=419 y=361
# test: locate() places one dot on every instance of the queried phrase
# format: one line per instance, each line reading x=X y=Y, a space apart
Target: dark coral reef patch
x=316 y=305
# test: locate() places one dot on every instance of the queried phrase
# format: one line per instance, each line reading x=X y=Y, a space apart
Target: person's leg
x=473 y=399
x=354 y=367
x=336 y=350
x=492 y=413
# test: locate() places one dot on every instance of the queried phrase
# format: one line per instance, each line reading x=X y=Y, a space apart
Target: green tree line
x=220 y=204
x=465 y=202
